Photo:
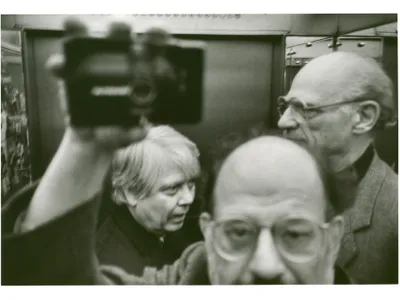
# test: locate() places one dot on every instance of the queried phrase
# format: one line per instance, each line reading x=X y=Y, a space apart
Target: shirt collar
x=362 y=165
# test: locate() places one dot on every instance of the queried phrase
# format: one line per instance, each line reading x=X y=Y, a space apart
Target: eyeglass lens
x=296 y=239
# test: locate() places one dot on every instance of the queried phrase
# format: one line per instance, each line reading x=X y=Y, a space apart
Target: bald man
x=337 y=104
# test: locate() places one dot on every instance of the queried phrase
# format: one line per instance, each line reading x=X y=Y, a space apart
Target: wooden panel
x=237 y=92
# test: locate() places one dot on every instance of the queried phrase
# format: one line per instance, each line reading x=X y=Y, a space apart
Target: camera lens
x=143 y=94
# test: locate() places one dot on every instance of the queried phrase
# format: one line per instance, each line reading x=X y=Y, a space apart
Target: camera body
x=116 y=82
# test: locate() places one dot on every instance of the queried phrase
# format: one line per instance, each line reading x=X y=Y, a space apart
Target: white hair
x=136 y=169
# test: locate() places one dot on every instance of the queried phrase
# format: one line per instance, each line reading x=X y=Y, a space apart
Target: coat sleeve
x=189 y=269
x=60 y=252
x=168 y=275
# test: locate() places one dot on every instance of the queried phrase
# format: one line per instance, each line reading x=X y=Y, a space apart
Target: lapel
x=359 y=216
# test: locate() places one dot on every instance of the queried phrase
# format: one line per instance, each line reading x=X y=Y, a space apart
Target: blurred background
x=250 y=60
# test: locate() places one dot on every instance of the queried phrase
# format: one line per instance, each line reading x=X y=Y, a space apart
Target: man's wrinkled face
x=270 y=231
x=165 y=209
x=325 y=129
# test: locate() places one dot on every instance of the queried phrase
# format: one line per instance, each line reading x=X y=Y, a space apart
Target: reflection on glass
x=15 y=163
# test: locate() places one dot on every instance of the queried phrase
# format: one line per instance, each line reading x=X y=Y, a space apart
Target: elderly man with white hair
x=152 y=188
x=338 y=104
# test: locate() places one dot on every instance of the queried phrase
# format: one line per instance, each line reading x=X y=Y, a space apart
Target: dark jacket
x=61 y=252
x=123 y=242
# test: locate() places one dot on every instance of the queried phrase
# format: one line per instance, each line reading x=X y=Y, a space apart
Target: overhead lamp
x=361 y=44
x=308 y=44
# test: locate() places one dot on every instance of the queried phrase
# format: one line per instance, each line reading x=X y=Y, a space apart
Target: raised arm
x=54 y=242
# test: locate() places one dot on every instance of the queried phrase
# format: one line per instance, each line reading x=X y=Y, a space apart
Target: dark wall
x=387 y=141
x=239 y=86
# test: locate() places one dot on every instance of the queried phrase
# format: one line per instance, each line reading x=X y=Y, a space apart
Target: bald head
x=341 y=76
x=266 y=167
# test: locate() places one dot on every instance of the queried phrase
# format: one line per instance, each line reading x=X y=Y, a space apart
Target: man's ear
x=336 y=231
x=204 y=222
x=367 y=116
x=129 y=198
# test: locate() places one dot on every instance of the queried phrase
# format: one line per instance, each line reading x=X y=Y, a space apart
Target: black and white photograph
x=199 y=149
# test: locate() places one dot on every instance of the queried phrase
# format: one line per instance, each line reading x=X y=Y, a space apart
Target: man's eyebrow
x=298 y=101
x=293 y=100
x=176 y=183
x=172 y=184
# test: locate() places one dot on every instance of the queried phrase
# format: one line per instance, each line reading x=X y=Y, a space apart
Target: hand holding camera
x=114 y=85
x=112 y=88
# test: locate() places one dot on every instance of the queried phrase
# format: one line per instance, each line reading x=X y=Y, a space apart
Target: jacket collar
x=360 y=214
x=362 y=164
x=143 y=240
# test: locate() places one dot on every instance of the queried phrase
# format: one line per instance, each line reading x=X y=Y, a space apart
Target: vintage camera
x=116 y=82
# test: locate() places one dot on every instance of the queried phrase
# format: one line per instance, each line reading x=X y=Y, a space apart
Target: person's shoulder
x=382 y=179
x=385 y=211
x=391 y=178
x=390 y=185
x=17 y=205
x=389 y=174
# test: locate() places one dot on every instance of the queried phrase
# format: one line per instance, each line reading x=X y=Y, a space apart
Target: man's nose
x=187 y=195
x=287 y=120
x=266 y=262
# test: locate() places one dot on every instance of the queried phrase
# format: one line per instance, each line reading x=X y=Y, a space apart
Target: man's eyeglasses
x=307 y=112
x=296 y=239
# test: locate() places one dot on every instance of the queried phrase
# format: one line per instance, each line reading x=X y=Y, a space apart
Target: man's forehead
x=321 y=80
x=283 y=203
x=264 y=173
x=308 y=94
